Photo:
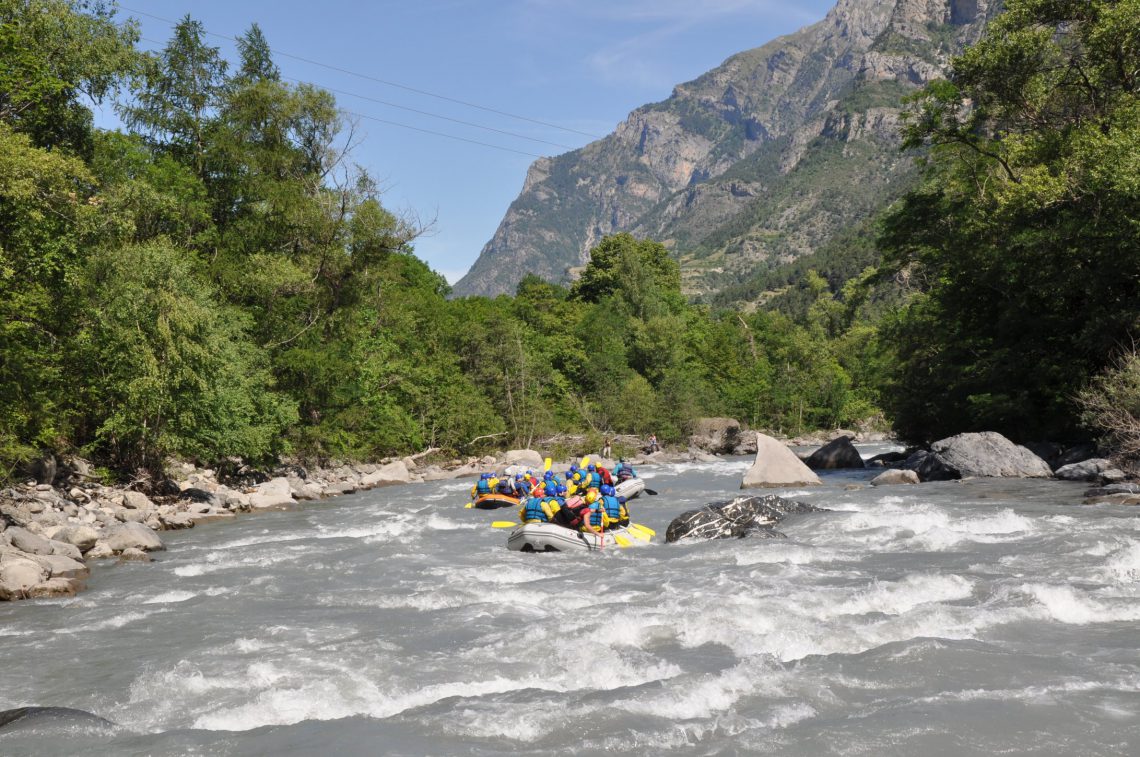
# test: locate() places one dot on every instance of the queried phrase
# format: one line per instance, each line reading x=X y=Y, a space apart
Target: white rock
x=777 y=466
x=273 y=493
x=137 y=501
x=128 y=535
x=83 y=537
x=100 y=551
x=392 y=473
x=894 y=477
x=26 y=541
x=18 y=575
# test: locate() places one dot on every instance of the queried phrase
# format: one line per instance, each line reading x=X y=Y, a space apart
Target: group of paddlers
x=584 y=499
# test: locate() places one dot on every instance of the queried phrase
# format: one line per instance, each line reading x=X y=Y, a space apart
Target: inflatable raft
x=630 y=488
x=547 y=537
x=495 y=501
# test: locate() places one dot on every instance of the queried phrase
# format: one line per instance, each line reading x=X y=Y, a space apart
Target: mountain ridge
x=755 y=163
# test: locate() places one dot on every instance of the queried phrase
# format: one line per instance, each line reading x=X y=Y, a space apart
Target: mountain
x=756 y=163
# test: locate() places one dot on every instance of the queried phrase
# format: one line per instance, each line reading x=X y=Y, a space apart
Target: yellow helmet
x=591 y=496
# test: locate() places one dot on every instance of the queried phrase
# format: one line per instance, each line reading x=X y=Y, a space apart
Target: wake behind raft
x=548 y=537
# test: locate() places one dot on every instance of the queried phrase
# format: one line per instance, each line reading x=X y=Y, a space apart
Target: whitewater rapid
x=950 y=618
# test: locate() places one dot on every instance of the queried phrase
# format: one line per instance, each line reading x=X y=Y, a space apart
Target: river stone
x=838 y=453
x=200 y=496
x=18 y=575
x=777 y=466
x=1124 y=488
x=133 y=554
x=56 y=587
x=985 y=454
x=740 y=517
x=25 y=541
x=137 y=501
x=1076 y=454
x=100 y=551
x=527 y=458
x=176 y=521
x=127 y=535
x=894 y=477
x=719 y=436
x=273 y=493
x=59 y=566
x=132 y=516
x=392 y=473
x=1096 y=470
x=66 y=550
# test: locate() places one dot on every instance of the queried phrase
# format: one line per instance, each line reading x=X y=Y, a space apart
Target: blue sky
x=580 y=64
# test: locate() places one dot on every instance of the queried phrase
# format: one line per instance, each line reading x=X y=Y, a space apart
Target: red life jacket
x=606 y=477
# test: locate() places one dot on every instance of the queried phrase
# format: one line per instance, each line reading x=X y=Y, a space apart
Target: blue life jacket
x=596 y=515
x=613 y=507
x=483 y=487
x=624 y=472
x=533 y=510
x=506 y=487
x=593 y=480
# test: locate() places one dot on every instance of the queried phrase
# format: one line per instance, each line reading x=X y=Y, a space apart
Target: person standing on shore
x=653 y=445
x=607 y=450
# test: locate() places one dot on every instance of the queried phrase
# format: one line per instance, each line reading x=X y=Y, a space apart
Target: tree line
x=218 y=280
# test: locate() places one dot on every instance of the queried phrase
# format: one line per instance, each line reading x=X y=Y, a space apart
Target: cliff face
x=756 y=162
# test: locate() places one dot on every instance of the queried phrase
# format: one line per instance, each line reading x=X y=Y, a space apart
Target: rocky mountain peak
x=749 y=164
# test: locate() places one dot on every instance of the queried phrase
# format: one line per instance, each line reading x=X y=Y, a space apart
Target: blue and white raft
x=547 y=537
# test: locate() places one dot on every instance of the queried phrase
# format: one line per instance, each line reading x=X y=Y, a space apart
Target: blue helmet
x=573 y=467
x=518 y=477
x=608 y=490
x=591 y=467
x=548 y=475
x=484 y=476
x=560 y=490
x=529 y=472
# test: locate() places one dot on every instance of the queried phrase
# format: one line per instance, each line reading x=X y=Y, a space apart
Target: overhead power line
x=385 y=82
x=426 y=131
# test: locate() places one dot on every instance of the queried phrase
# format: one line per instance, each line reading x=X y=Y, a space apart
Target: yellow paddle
x=639 y=535
x=622 y=541
x=504 y=524
x=546 y=464
x=643 y=529
x=469 y=505
x=585 y=461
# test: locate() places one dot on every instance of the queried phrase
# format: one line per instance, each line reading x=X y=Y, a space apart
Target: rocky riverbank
x=51 y=529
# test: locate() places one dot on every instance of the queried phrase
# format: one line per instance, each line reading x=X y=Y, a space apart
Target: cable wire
x=383 y=81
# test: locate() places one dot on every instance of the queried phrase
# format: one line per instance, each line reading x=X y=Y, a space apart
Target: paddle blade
x=504 y=524
x=650 y=492
x=639 y=535
x=643 y=529
x=469 y=505
x=622 y=541
x=585 y=461
x=546 y=464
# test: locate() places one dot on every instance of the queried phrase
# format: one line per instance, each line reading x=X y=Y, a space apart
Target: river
x=954 y=618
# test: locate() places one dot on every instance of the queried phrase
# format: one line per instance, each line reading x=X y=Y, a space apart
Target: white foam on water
x=1064 y=604
x=113 y=622
x=220 y=562
x=708 y=695
x=897 y=526
x=1123 y=565
x=170 y=597
x=773 y=552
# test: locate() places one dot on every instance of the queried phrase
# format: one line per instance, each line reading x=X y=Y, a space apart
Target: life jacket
x=605 y=474
x=592 y=481
x=613 y=507
x=574 y=512
x=483 y=487
x=506 y=487
x=625 y=473
x=596 y=515
x=532 y=511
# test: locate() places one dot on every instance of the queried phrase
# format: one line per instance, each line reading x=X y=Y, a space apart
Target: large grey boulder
x=719 y=436
x=83 y=537
x=986 y=454
x=743 y=516
x=895 y=477
x=392 y=473
x=137 y=501
x=18 y=575
x=1097 y=470
x=777 y=466
x=525 y=458
x=25 y=541
x=127 y=535
x=275 y=492
x=838 y=453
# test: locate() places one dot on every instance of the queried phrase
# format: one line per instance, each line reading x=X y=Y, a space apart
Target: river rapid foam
x=952 y=618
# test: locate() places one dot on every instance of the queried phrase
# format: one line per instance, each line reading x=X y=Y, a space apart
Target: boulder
x=133 y=554
x=127 y=535
x=100 y=551
x=132 y=516
x=887 y=460
x=718 y=436
x=1096 y=470
x=64 y=549
x=1113 y=489
x=985 y=454
x=392 y=473
x=747 y=445
x=200 y=496
x=273 y=493
x=894 y=477
x=137 y=501
x=527 y=458
x=176 y=521
x=1078 y=453
x=25 y=541
x=743 y=516
x=59 y=566
x=56 y=587
x=838 y=453
x=777 y=466
x=18 y=575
